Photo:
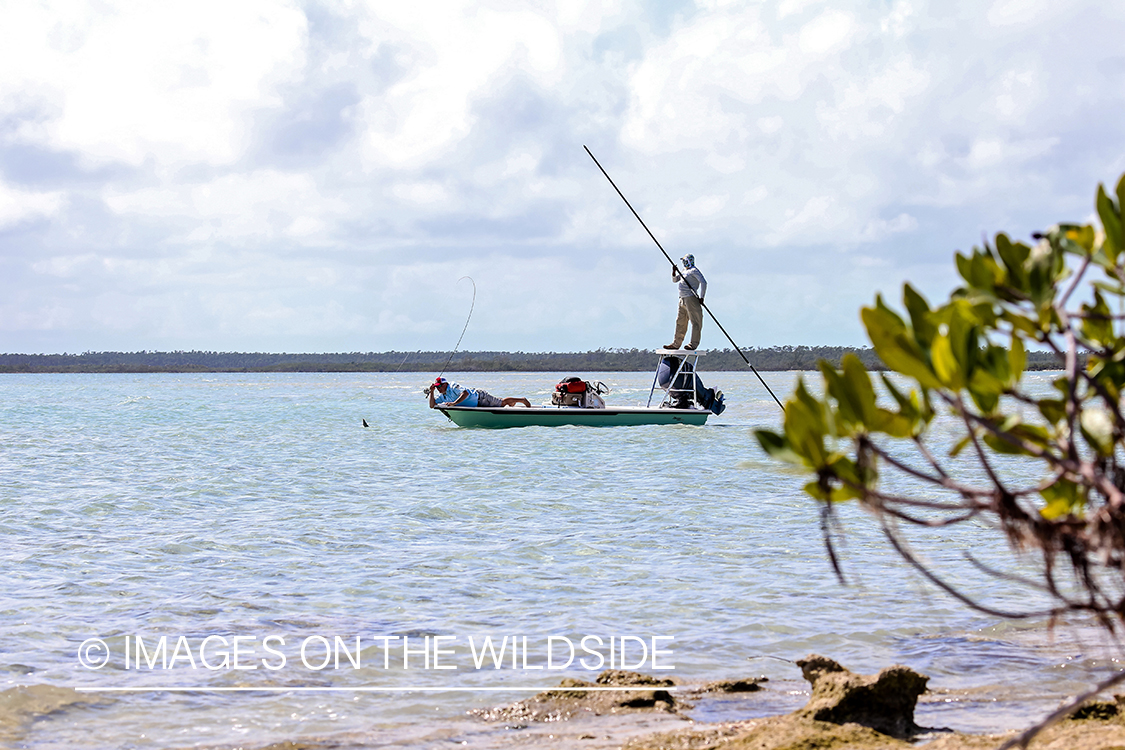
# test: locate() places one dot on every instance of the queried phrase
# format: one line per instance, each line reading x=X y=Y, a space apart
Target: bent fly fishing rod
x=458 y=344
x=694 y=293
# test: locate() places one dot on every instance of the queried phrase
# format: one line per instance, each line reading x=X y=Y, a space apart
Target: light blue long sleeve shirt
x=453 y=392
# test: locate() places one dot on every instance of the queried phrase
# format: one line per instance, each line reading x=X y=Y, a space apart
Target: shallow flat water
x=256 y=505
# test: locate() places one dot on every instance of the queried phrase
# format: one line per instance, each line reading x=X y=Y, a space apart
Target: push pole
x=694 y=293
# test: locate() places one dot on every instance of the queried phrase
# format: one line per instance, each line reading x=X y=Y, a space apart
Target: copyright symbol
x=93 y=653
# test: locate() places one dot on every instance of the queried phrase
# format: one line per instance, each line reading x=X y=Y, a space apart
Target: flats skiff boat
x=680 y=404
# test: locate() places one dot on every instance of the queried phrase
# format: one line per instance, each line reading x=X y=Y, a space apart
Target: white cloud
x=756 y=195
x=17 y=206
x=770 y=125
x=788 y=8
x=1019 y=93
x=990 y=153
x=878 y=229
x=452 y=56
x=897 y=23
x=422 y=193
x=260 y=179
x=119 y=81
x=1009 y=12
x=702 y=207
x=865 y=108
x=677 y=90
x=828 y=32
x=254 y=206
x=818 y=213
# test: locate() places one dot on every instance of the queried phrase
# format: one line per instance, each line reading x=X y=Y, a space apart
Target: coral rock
x=884 y=702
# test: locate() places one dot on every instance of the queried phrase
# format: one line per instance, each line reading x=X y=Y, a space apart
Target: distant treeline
x=776 y=358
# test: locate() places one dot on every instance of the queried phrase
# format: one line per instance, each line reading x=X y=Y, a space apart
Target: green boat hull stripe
x=466 y=416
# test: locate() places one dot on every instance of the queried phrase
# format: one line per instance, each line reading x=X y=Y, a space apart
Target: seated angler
x=681 y=390
x=452 y=394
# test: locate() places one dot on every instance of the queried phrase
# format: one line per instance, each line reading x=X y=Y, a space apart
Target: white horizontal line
x=361 y=689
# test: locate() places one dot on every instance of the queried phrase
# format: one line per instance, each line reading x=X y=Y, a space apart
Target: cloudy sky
x=317 y=176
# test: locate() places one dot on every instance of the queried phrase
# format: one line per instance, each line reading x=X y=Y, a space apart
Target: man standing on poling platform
x=693 y=288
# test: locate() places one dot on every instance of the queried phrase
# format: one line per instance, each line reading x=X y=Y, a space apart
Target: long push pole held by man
x=697 y=295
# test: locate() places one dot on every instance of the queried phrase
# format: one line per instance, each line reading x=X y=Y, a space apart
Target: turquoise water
x=255 y=505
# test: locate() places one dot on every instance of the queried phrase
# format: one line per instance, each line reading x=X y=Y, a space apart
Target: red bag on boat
x=571 y=385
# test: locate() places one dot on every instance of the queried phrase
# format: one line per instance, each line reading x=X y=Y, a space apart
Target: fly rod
x=694 y=293
x=458 y=344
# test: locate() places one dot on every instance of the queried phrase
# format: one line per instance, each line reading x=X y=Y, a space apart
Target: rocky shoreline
x=845 y=710
x=623 y=710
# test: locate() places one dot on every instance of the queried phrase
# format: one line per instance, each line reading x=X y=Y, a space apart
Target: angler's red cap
x=439 y=381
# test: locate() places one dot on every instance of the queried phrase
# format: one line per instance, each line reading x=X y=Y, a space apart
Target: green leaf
x=852 y=479
x=1017 y=360
x=985 y=389
x=899 y=351
x=1111 y=223
x=1014 y=256
x=1063 y=498
x=777 y=446
x=1000 y=445
x=904 y=404
x=945 y=364
x=814 y=489
x=1041 y=264
x=1078 y=239
x=1097 y=428
x=1020 y=323
x=850 y=413
x=894 y=424
x=806 y=427
x=1115 y=288
x=1121 y=195
x=964 y=268
x=919 y=311
x=859 y=384
x=1030 y=433
x=1097 y=323
x=1110 y=375
x=960 y=445
x=986 y=274
x=1052 y=409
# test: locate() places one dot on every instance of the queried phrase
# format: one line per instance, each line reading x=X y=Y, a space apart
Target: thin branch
x=1077 y=278
x=929 y=457
x=1030 y=448
x=1107 y=399
x=885 y=499
x=826 y=519
x=960 y=406
x=934 y=523
x=1095 y=316
x=909 y=557
x=943 y=481
x=1024 y=739
x=1074 y=466
x=1005 y=576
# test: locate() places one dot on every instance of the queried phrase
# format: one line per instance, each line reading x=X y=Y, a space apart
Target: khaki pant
x=691 y=309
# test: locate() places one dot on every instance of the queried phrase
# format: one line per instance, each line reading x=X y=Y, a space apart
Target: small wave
x=19 y=706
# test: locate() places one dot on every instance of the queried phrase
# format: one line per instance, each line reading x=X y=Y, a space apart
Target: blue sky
x=278 y=176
